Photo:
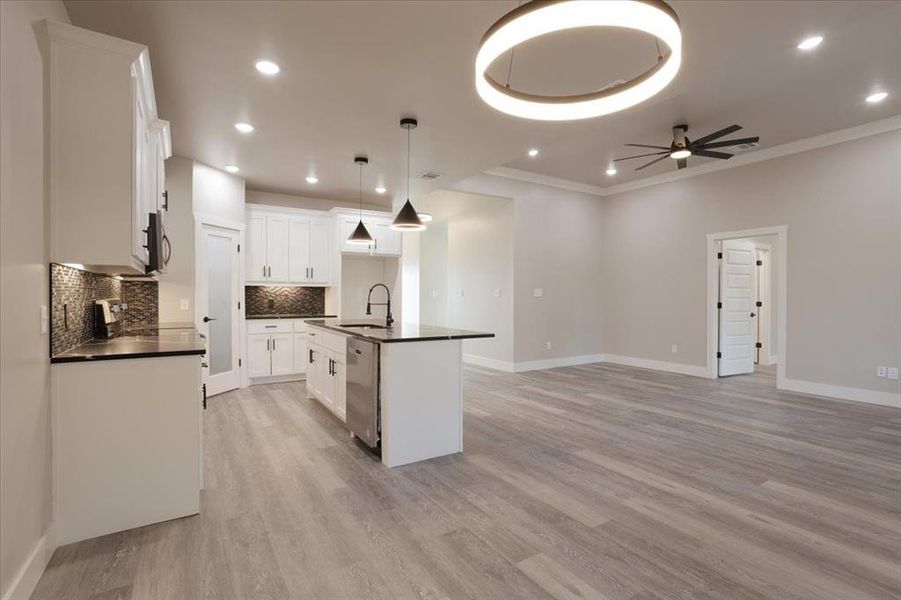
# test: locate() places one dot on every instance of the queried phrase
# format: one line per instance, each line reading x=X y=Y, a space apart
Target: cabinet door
x=299 y=249
x=276 y=248
x=282 y=353
x=301 y=355
x=339 y=389
x=258 y=355
x=140 y=216
x=320 y=244
x=255 y=259
x=162 y=203
x=387 y=241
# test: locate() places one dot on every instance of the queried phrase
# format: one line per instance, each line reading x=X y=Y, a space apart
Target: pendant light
x=361 y=235
x=407 y=219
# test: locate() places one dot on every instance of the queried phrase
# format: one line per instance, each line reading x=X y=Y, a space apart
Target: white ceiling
x=350 y=70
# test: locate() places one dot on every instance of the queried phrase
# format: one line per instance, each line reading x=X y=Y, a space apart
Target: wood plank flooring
x=597 y=481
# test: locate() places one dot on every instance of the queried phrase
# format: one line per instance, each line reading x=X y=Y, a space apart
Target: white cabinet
x=301 y=353
x=282 y=353
x=259 y=361
x=106 y=148
x=285 y=247
x=327 y=370
x=387 y=242
x=276 y=347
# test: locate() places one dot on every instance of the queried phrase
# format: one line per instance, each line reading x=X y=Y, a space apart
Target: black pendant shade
x=407 y=219
x=361 y=235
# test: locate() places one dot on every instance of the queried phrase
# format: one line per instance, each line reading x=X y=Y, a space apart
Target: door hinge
x=239 y=305
x=719 y=355
x=239 y=362
x=719 y=255
x=719 y=305
x=239 y=247
x=759 y=263
x=759 y=303
x=758 y=345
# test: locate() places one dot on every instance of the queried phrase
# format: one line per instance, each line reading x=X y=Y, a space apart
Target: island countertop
x=287 y=316
x=141 y=341
x=399 y=332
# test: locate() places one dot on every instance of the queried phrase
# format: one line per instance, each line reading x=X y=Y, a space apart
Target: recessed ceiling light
x=232 y=168
x=380 y=190
x=424 y=217
x=267 y=67
x=877 y=97
x=811 y=42
x=611 y=171
x=244 y=127
x=312 y=179
x=533 y=152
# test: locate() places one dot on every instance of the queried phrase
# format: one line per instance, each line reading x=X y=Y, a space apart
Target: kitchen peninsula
x=409 y=388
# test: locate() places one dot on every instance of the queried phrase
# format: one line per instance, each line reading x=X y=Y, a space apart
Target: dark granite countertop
x=140 y=341
x=289 y=316
x=399 y=332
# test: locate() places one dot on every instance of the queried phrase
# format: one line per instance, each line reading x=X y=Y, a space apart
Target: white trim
x=555 y=182
x=276 y=379
x=803 y=145
x=491 y=363
x=841 y=392
x=553 y=363
x=216 y=221
x=656 y=365
x=781 y=291
x=773 y=360
x=26 y=579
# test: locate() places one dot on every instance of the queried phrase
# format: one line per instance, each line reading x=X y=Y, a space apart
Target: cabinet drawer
x=267 y=326
x=336 y=343
x=300 y=326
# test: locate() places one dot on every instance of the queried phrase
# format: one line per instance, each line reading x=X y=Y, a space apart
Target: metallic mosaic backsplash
x=274 y=300
x=72 y=296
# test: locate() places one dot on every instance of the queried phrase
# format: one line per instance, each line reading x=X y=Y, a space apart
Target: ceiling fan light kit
x=682 y=148
x=541 y=17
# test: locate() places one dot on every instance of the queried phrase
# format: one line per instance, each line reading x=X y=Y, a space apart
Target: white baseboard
x=491 y=363
x=277 y=379
x=773 y=359
x=656 y=365
x=553 y=363
x=841 y=392
x=30 y=572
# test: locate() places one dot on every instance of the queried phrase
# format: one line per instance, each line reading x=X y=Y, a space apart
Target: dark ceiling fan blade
x=716 y=134
x=641 y=155
x=656 y=160
x=681 y=163
x=646 y=146
x=710 y=154
x=723 y=144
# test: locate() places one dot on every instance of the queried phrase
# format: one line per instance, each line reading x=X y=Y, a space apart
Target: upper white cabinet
x=107 y=148
x=387 y=242
x=287 y=247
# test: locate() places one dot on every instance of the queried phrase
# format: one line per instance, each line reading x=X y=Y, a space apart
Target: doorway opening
x=746 y=302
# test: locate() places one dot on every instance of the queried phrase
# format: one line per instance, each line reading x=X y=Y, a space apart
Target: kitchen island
x=417 y=378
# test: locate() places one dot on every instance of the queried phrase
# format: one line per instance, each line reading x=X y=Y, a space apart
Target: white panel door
x=320 y=243
x=258 y=356
x=737 y=294
x=255 y=258
x=282 y=353
x=277 y=248
x=299 y=250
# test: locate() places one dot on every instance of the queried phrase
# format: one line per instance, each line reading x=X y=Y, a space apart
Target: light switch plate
x=434 y=293
x=183 y=304
x=881 y=371
x=497 y=293
x=538 y=292
x=893 y=372
x=675 y=349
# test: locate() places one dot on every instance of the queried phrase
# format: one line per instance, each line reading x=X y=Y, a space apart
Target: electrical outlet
x=881 y=371
x=184 y=304
x=497 y=293
x=548 y=345
x=538 y=292
x=675 y=349
x=434 y=293
x=893 y=372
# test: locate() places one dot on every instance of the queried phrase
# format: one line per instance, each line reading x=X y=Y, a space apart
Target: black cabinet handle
x=204 y=396
x=166 y=200
x=273 y=344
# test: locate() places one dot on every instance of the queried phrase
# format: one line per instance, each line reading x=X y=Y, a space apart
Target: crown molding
x=530 y=177
x=811 y=143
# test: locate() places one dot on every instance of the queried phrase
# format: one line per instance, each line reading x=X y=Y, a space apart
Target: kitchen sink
x=363 y=325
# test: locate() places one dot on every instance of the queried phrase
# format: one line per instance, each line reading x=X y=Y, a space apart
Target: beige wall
x=842 y=205
x=218 y=194
x=273 y=199
x=433 y=274
x=25 y=480
x=177 y=283
x=557 y=248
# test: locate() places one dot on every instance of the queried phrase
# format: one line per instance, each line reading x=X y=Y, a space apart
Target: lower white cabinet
x=282 y=353
x=276 y=347
x=327 y=370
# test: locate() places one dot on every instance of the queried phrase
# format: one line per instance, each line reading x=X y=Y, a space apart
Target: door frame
x=765 y=312
x=780 y=283
x=201 y=221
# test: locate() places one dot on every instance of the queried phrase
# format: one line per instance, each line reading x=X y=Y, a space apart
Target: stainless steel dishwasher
x=363 y=390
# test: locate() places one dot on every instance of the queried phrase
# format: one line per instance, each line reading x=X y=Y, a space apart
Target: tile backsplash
x=284 y=300
x=72 y=296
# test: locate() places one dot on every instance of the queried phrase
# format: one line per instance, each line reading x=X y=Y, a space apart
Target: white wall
x=358 y=274
x=25 y=479
x=217 y=193
x=843 y=210
x=433 y=274
x=557 y=248
x=273 y=199
x=177 y=283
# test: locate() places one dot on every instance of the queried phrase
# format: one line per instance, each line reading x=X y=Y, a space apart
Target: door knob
x=208 y=319
x=753 y=315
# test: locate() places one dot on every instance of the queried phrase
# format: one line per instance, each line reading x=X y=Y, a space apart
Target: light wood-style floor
x=597 y=481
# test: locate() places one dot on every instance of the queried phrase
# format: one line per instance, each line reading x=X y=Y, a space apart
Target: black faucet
x=388 y=318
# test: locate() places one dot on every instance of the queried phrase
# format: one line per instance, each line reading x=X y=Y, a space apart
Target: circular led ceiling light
x=541 y=17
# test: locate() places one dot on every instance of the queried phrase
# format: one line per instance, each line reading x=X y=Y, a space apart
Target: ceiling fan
x=682 y=147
